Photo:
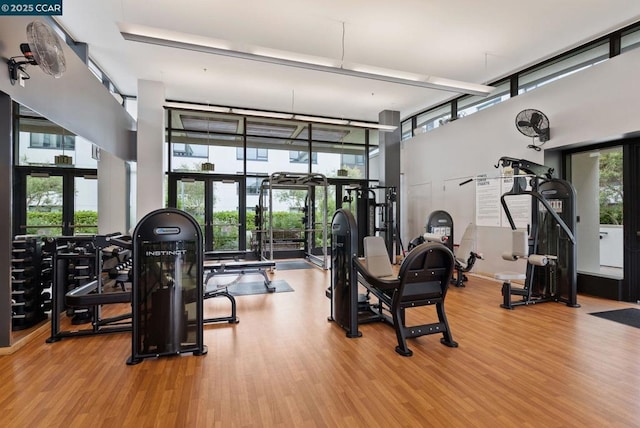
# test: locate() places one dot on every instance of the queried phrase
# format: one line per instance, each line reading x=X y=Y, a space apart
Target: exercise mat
x=629 y=316
x=258 y=287
x=293 y=265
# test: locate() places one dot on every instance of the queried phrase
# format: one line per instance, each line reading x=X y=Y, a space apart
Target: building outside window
x=296 y=156
x=253 y=154
x=190 y=150
x=51 y=141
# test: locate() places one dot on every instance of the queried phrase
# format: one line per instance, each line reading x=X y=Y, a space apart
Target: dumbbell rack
x=26 y=283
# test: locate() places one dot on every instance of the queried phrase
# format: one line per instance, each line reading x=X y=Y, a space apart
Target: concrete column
x=113 y=195
x=6 y=208
x=150 y=148
x=389 y=144
x=389 y=149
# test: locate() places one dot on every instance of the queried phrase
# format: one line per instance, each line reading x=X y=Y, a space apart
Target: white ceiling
x=468 y=40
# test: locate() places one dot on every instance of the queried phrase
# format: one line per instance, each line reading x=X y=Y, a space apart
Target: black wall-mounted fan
x=43 y=49
x=533 y=123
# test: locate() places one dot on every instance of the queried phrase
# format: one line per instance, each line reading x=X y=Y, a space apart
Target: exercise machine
x=549 y=245
x=439 y=228
x=440 y=224
x=465 y=255
x=270 y=239
x=77 y=283
x=377 y=218
x=167 y=296
x=423 y=279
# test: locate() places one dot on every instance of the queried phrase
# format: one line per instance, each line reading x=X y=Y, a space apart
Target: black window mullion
x=68 y=194
x=169 y=142
x=310 y=148
x=615 y=44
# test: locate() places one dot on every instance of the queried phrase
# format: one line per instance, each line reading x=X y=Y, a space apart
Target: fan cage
x=46 y=47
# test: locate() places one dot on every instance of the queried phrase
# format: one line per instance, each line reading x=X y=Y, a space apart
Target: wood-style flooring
x=285 y=365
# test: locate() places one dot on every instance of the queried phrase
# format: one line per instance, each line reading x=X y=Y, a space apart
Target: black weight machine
x=268 y=241
x=376 y=218
x=167 y=295
x=550 y=247
x=439 y=228
x=423 y=279
x=77 y=283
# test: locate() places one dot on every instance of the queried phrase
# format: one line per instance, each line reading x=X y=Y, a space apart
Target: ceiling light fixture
x=387 y=128
x=198 y=107
x=278 y=115
x=327 y=120
x=270 y=114
x=155 y=36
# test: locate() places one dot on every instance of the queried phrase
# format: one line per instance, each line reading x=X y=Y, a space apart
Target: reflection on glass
x=41 y=140
x=165 y=296
x=190 y=198
x=44 y=205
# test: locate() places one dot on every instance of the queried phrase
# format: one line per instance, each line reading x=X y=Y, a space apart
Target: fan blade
x=524 y=123
x=536 y=119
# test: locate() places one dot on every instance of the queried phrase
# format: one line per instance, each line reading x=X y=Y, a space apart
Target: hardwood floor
x=284 y=364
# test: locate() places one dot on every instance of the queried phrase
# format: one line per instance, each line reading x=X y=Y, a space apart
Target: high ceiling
x=466 y=40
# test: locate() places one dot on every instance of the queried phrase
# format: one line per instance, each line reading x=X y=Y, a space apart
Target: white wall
x=611 y=245
x=77 y=101
x=598 y=104
x=150 y=147
x=112 y=188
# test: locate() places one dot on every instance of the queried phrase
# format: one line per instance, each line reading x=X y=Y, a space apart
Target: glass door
x=215 y=204
x=85 y=205
x=44 y=205
x=597 y=176
x=225 y=215
x=55 y=201
x=190 y=197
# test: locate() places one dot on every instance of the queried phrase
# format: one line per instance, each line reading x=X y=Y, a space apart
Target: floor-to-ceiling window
x=207 y=146
x=56 y=186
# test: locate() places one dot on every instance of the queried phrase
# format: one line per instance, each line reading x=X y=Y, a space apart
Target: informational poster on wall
x=488 y=191
x=489 y=210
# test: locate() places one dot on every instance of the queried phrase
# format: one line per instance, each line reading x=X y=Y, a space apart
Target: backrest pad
x=376 y=257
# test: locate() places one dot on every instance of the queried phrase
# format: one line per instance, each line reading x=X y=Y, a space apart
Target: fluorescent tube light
x=277 y=115
x=155 y=36
x=327 y=120
x=200 y=107
x=270 y=114
x=373 y=125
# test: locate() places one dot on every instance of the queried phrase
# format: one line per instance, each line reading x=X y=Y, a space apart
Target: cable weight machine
x=550 y=247
x=376 y=218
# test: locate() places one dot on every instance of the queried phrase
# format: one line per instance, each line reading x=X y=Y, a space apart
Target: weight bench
x=89 y=295
x=235 y=255
x=423 y=280
x=215 y=268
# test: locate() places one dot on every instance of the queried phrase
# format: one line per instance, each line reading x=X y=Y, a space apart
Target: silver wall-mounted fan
x=43 y=49
x=535 y=124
